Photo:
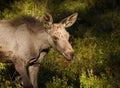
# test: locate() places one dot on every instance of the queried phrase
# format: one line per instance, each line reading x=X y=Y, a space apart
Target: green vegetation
x=95 y=37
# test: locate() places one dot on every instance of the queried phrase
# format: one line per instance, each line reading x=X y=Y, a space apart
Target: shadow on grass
x=46 y=75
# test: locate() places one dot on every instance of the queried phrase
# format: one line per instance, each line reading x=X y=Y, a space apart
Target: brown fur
x=31 y=21
x=4 y=57
x=34 y=25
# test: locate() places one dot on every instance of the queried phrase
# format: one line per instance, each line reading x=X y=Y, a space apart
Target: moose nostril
x=72 y=55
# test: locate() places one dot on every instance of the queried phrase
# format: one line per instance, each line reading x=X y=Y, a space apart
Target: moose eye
x=55 y=38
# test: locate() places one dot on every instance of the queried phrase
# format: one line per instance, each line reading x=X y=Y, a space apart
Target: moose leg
x=34 y=69
x=33 y=73
x=21 y=68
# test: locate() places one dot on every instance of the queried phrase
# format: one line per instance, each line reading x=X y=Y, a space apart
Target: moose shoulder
x=25 y=41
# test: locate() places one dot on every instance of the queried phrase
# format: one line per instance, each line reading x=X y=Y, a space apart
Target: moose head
x=59 y=37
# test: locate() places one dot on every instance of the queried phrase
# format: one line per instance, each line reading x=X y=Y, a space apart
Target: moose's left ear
x=47 y=20
x=70 y=20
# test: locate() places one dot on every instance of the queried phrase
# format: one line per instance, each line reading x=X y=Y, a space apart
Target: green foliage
x=7 y=76
x=58 y=83
x=22 y=7
x=95 y=38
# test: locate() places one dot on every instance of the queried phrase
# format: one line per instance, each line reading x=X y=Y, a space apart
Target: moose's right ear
x=70 y=20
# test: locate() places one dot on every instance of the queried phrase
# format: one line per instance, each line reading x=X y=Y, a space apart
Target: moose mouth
x=69 y=57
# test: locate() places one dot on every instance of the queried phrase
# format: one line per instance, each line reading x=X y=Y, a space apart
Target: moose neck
x=50 y=40
x=43 y=40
